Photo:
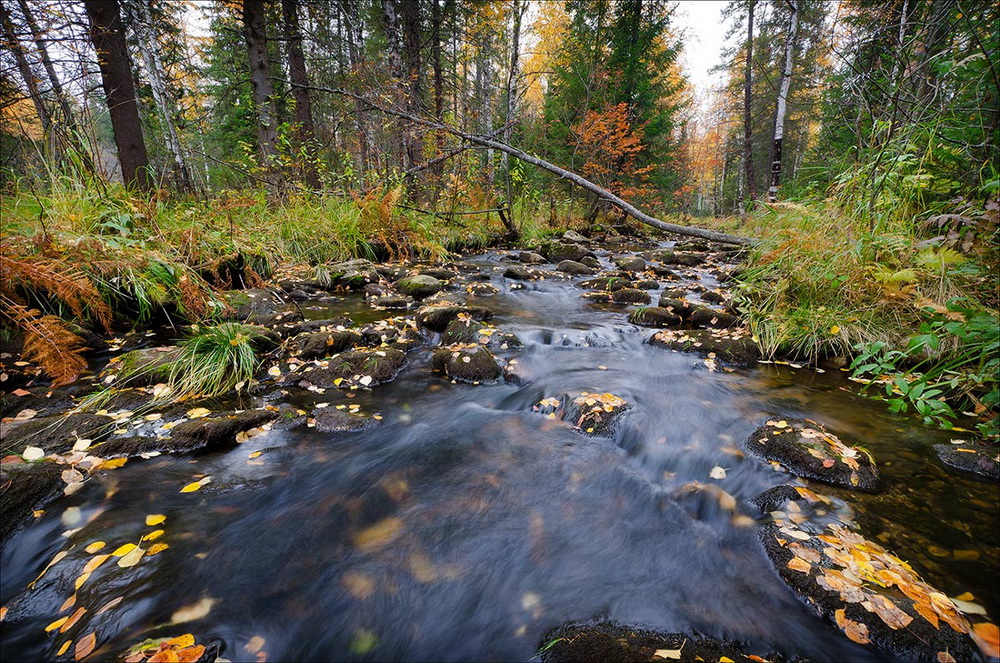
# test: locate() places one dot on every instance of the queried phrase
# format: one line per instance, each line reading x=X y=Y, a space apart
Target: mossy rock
x=472 y=364
x=686 y=259
x=420 y=286
x=41 y=400
x=608 y=283
x=24 y=488
x=869 y=593
x=598 y=297
x=975 y=457
x=654 y=316
x=574 y=268
x=399 y=333
x=437 y=318
x=631 y=264
x=808 y=450
x=714 y=297
x=465 y=330
x=139 y=368
x=590 y=413
x=358 y=368
x=391 y=302
x=706 y=318
x=217 y=431
x=521 y=273
x=323 y=344
x=253 y=304
x=558 y=251
x=680 y=307
x=531 y=258
x=630 y=296
x=734 y=347
x=332 y=420
x=56 y=434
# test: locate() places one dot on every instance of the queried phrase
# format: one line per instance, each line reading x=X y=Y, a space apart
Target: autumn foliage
x=611 y=146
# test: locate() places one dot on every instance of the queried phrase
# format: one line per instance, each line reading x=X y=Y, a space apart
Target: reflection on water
x=466 y=526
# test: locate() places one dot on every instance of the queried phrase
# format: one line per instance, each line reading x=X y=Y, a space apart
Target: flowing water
x=464 y=526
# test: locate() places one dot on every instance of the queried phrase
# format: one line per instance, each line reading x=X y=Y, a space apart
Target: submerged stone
x=24 y=488
x=55 y=434
x=559 y=251
x=466 y=330
x=808 y=450
x=322 y=344
x=974 y=457
x=575 y=268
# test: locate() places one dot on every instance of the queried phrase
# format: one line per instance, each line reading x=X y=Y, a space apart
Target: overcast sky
x=704 y=34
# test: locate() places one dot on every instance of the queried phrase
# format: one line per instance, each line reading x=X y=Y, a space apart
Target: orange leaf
x=190 y=654
x=164 y=656
x=73 y=619
x=987 y=636
x=181 y=641
x=85 y=646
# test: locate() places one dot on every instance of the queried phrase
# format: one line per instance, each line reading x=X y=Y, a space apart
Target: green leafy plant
x=214 y=360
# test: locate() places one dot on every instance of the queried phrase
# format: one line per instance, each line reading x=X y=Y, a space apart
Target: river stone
x=679 y=307
x=56 y=434
x=706 y=318
x=41 y=400
x=437 y=318
x=465 y=330
x=609 y=283
x=24 y=488
x=686 y=259
x=574 y=237
x=332 y=420
x=521 y=273
x=482 y=289
x=673 y=294
x=466 y=364
x=559 y=251
x=691 y=245
x=140 y=368
x=392 y=272
x=217 y=431
x=119 y=400
x=612 y=642
x=713 y=296
x=589 y=413
x=808 y=450
x=364 y=368
x=391 y=302
x=654 y=316
x=438 y=273
x=590 y=261
x=734 y=347
x=631 y=264
x=419 y=286
x=322 y=344
x=975 y=457
x=831 y=575
x=531 y=258
x=630 y=296
x=647 y=284
x=573 y=267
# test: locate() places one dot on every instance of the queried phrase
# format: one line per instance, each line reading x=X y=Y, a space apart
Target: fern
x=48 y=342
x=58 y=278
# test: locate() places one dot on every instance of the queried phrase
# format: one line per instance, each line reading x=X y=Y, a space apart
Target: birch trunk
x=779 y=120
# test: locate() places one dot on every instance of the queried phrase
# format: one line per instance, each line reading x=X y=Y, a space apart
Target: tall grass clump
x=215 y=359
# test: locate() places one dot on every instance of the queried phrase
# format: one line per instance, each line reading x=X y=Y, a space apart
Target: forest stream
x=465 y=523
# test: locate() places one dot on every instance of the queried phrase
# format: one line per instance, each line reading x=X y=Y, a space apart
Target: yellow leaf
x=198 y=412
x=123 y=550
x=94 y=547
x=274 y=371
x=182 y=641
x=154 y=535
x=155 y=519
x=83 y=577
x=835 y=329
x=132 y=558
x=156 y=548
x=190 y=613
x=56 y=624
x=191 y=487
x=112 y=464
x=65 y=646
x=95 y=562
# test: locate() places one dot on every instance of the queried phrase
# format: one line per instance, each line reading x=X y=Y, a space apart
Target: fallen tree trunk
x=581 y=182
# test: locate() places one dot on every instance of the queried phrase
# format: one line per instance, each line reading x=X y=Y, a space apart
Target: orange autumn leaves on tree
x=611 y=146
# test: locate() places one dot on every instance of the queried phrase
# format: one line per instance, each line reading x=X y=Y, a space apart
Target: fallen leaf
x=25 y=414
x=717 y=473
x=132 y=558
x=94 y=547
x=377 y=535
x=95 y=562
x=85 y=646
x=199 y=412
x=56 y=624
x=274 y=371
x=68 y=603
x=32 y=454
x=191 y=654
x=255 y=645
x=181 y=641
x=154 y=535
x=109 y=605
x=799 y=564
x=671 y=654
x=155 y=519
x=889 y=612
x=21 y=392
x=124 y=549
x=74 y=618
x=987 y=636
x=64 y=648
x=195 y=611
x=82 y=578
x=82 y=445
x=156 y=548
x=112 y=464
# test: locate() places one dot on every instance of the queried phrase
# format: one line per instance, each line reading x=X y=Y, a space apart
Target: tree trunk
x=13 y=44
x=749 y=193
x=414 y=77
x=355 y=41
x=436 y=19
x=107 y=32
x=149 y=47
x=394 y=47
x=254 y=31
x=305 y=130
x=779 y=120
x=511 y=99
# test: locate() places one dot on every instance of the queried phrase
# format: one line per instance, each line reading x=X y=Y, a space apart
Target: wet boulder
x=437 y=318
x=482 y=289
x=808 y=450
x=312 y=345
x=332 y=420
x=420 y=286
x=558 y=251
x=673 y=293
x=531 y=258
x=466 y=363
x=521 y=273
x=217 y=431
x=400 y=333
x=869 y=593
x=391 y=302
x=663 y=272
x=590 y=413
x=609 y=283
x=574 y=268
x=654 y=316
x=440 y=273
x=975 y=457
x=706 y=318
x=139 y=368
x=691 y=245
x=714 y=297
x=630 y=296
x=40 y=400
x=679 y=307
x=24 y=488
x=612 y=642
x=600 y=297
x=686 y=259
x=56 y=434
x=465 y=330
x=590 y=261
x=734 y=347
x=358 y=368
x=647 y=284
x=631 y=264
x=573 y=237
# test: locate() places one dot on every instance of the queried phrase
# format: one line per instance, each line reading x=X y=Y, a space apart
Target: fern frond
x=48 y=342
x=58 y=278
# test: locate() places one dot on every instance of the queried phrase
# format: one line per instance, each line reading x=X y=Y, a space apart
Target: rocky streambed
x=574 y=452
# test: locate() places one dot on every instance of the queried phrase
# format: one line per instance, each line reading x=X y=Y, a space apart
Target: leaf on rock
x=987 y=636
x=888 y=611
x=799 y=564
x=181 y=641
x=33 y=453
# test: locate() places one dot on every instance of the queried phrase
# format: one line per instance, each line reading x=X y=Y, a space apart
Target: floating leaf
x=82 y=578
x=155 y=519
x=717 y=473
x=190 y=613
x=56 y=624
x=64 y=648
x=94 y=547
x=85 y=646
x=68 y=603
x=132 y=558
x=255 y=645
x=95 y=562
x=123 y=550
x=377 y=535
x=112 y=464
x=74 y=618
x=198 y=412
x=154 y=535
x=109 y=605
x=987 y=636
x=156 y=548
